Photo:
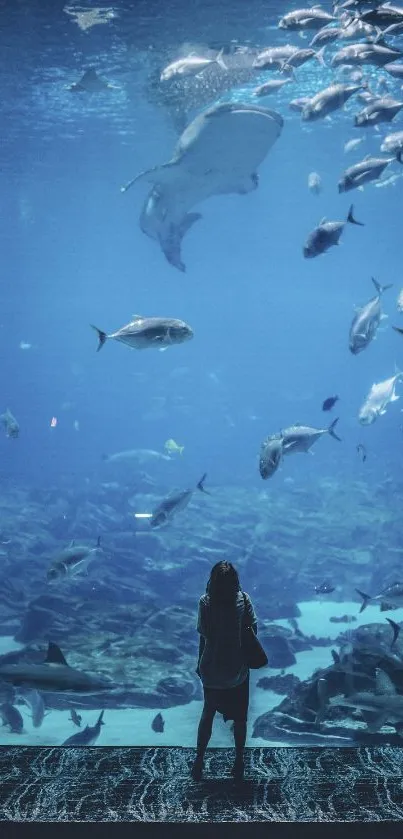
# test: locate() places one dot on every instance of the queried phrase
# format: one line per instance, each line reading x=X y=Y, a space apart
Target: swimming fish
x=329 y=403
x=390 y=597
x=72 y=561
x=34 y=701
x=145 y=333
x=10 y=424
x=191 y=65
x=75 y=718
x=158 y=724
x=171 y=447
x=88 y=736
x=271 y=453
x=362 y=450
x=366 y=321
x=12 y=717
x=324 y=588
x=327 y=234
x=174 y=503
x=300 y=438
x=378 y=399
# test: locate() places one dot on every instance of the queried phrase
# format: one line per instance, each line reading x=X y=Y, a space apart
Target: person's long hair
x=223 y=585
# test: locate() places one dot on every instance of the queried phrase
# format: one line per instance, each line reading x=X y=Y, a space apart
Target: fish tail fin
x=365 y=598
x=320 y=56
x=220 y=61
x=398 y=329
x=331 y=430
x=380 y=288
x=171 y=244
x=181 y=448
x=102 y=336
x=351 y=218
x=101 y=718
x=98 y=545
x=396 y=630
x=378 y=35
x=200 y=485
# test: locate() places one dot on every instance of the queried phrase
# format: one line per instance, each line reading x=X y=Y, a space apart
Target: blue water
x=270 y=328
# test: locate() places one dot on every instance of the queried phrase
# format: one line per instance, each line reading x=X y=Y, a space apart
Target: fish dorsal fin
x=383 y=683
x=55 y=655
x=72 y=543
x=137 y=317
x=322 y=221
x=367 y=157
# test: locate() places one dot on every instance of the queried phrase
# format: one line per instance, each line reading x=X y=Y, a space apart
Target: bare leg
x=240 y=739
x=203 y=739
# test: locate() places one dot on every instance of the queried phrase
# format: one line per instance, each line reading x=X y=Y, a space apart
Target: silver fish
x=378 y=399
x=72 y=561
x=300 y=438
x=10 y=424
x=272 y=86
x=369 y=169
x=399 y=301
x=145 y=333
x=173 y=504
x=385 y=705
x=138 y=456
x=271 y=453
x=390 y=597
x=366 y=321
x=314 y=183
x=351 y=145
x=273 y=57
x=328 y=100
x=327 y=235
x=302 y=19
x=383 y=109
x=191 y=65
x=393 y=143
x=374 y=54
x=395 y=70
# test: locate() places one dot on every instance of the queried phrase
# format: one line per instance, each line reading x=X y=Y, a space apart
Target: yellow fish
x=170 y=447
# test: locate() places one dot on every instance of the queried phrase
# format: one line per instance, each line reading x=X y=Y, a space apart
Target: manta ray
x=218 y=153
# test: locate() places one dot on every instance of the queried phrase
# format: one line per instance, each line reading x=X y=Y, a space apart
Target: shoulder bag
x=252 y=650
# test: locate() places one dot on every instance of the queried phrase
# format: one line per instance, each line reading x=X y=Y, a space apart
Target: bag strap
x=244 y=616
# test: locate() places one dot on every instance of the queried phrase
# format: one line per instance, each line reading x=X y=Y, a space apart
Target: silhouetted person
x=221 y=667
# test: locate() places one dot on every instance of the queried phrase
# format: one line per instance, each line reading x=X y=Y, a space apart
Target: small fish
x=174 y=503
x=314 y=183
x=374 y=54
x=73 y=560
x=191 y=65
x=395 y=70
x=378 y=399
x=272 y=86
x=362 y=450
x=301 y=57
x=171 y=447
x=399 y=302
x=88 y=736
x=75 y=718
x=329 y=403
x=271 y=454
x=158 y=724
x=148 y=333
x=327 y=234
x=11 y=717
x=324 y=588
x=366 y=321
x=10 y=424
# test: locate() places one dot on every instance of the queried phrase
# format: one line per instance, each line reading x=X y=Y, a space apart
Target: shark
x=384 y=706
x=53 y=674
